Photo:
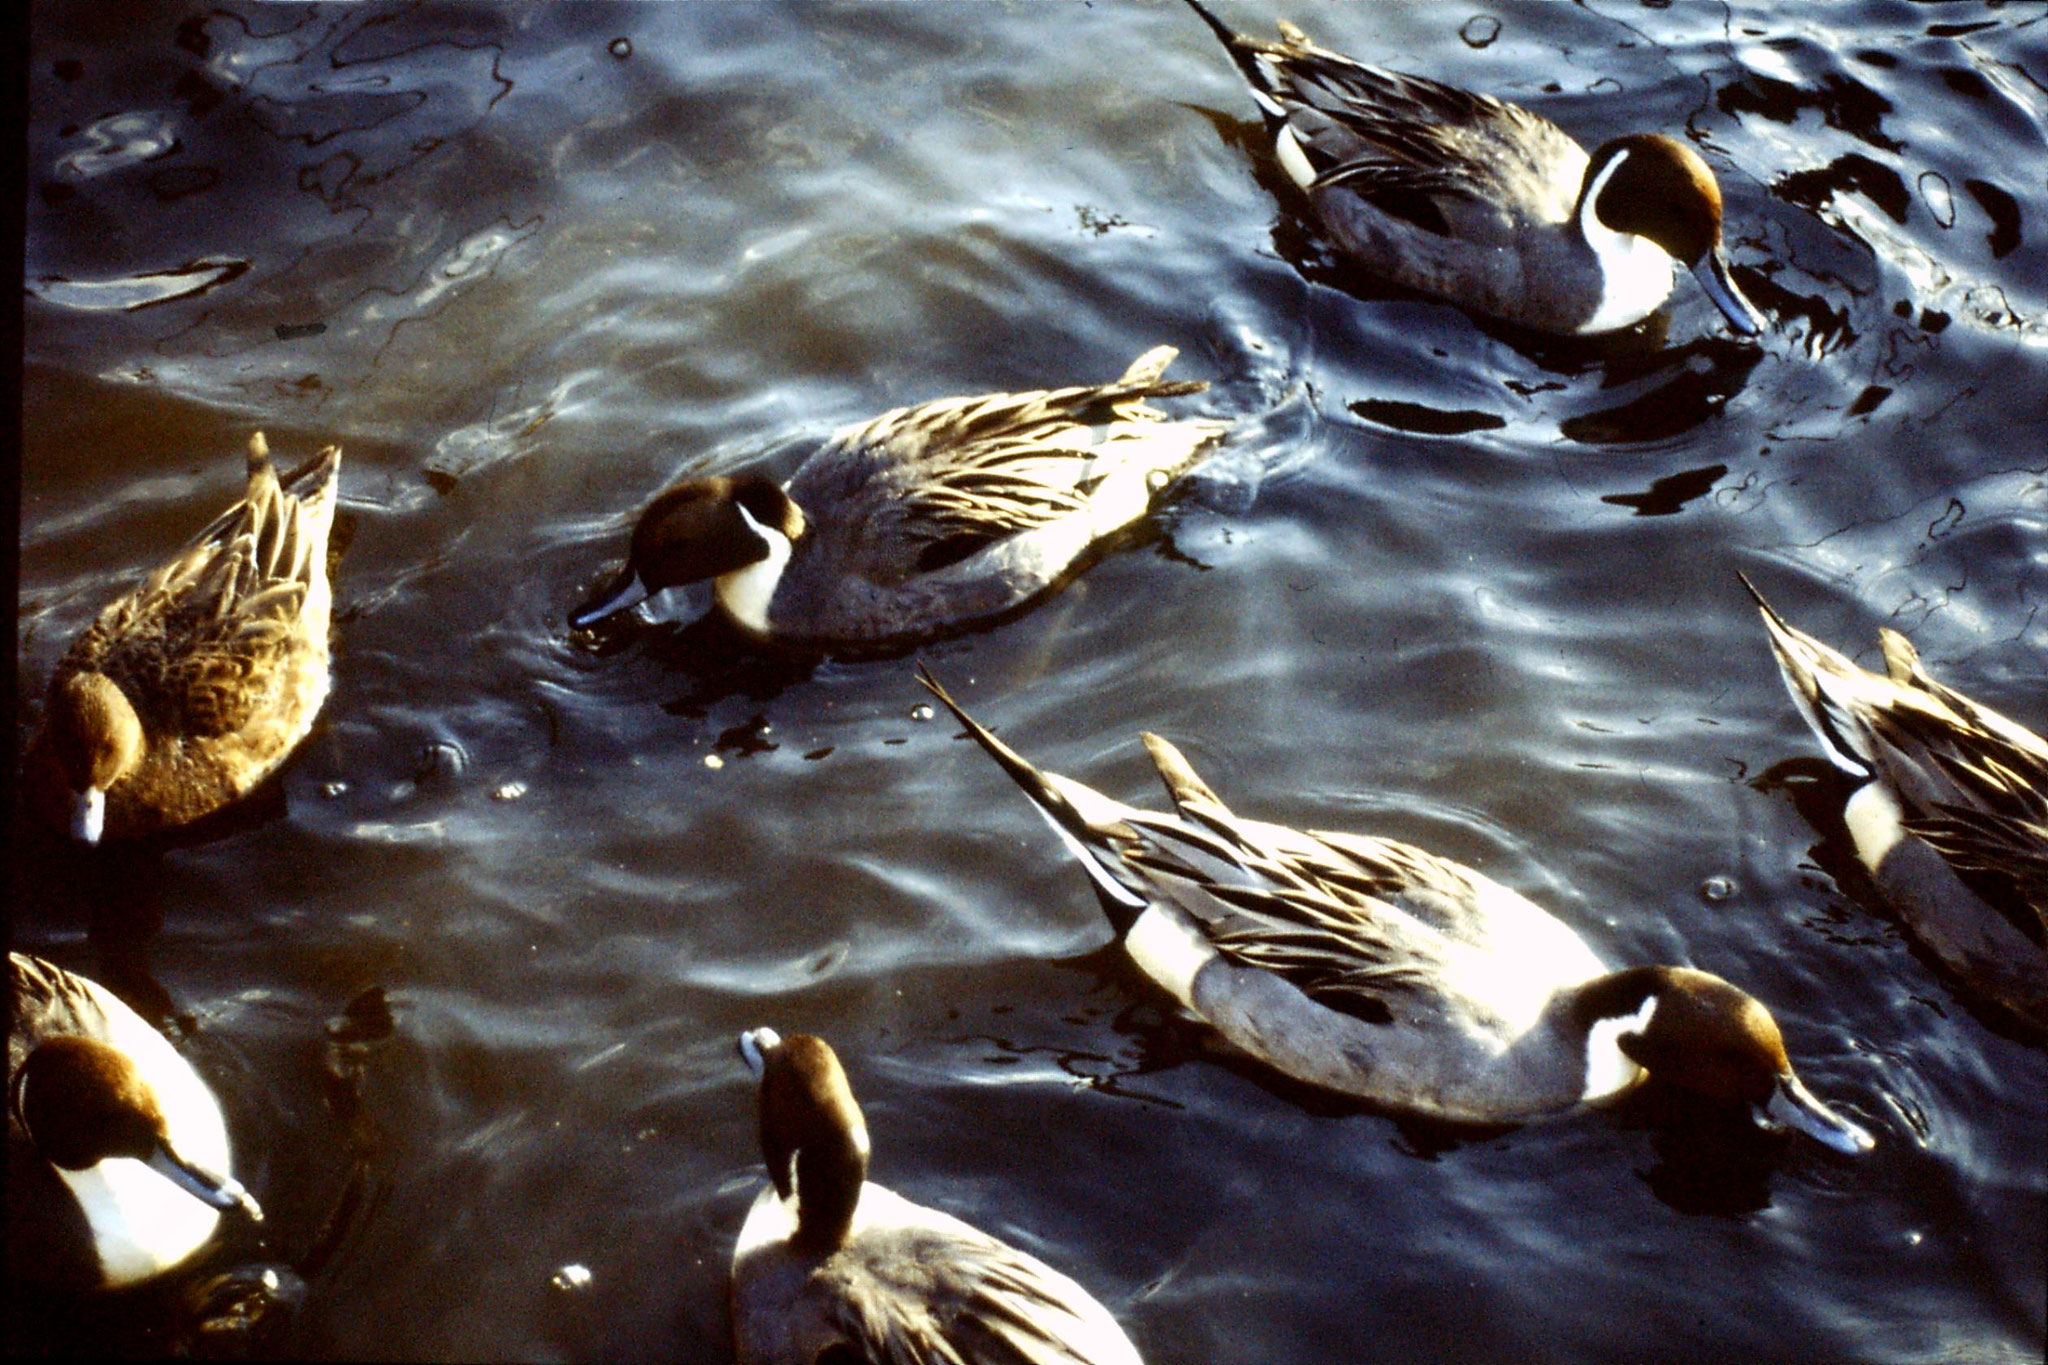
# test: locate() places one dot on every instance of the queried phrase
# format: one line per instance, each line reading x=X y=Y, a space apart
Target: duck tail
x=1085 y=832
x=1244 y=52
x=1822 y=682
x=1223 y=31
x=316 y=485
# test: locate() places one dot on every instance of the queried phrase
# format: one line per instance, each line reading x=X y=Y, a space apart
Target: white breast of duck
x=141 y=1224
x=1634 y=273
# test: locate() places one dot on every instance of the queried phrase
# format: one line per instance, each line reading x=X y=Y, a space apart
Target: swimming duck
x=117 y=1152
x=831 y=1267
x=1377 y=970
x=1475 y=200
x=1951 y=817
x=924 y=519
x=190 y=690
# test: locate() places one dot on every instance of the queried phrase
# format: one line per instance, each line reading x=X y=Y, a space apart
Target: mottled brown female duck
x=193 y=688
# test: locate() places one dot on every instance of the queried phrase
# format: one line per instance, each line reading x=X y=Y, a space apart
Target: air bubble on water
x=571 y=1277
x=1717 y=888
x=1480 y=31
x=921 y=711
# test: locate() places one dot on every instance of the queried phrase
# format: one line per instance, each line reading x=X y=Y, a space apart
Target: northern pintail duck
x=1481 y=202
x=1377 y=970
x=923 y=520
x=830 y=1266
x=118 y=1163
x=1950 y=817
x=190 y=690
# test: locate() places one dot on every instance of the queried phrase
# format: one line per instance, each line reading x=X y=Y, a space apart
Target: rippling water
x=1448 y=582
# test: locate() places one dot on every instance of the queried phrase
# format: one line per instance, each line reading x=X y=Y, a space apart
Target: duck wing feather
x=961 y=1297
x=921 y=487
x=47 y=1002
x=1453 y=162
x=1356 y=923
x=197 y=648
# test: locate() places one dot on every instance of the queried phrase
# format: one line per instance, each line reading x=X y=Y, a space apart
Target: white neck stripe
x=1635 y=273
x=1608 y=1068
x=1588 y=219
x=747 y=593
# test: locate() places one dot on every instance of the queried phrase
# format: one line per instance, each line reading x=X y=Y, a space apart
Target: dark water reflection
x=468 y=977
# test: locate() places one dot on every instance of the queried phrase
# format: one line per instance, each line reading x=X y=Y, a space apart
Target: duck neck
x=746 y=594
x=829 y=1175
x=1635 y=272
x=1609 y=1013
x=1618 y=996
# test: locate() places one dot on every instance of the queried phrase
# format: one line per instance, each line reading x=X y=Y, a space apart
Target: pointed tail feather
x=1222 y=30
x=1055 y=798
x=1244 y=53
x=1146 y=376
x=1812 y=672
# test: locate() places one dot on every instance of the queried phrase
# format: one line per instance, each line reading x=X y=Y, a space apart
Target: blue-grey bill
x=1711 y=270
x=755 y=1045
x=223 y=1192
x=88 y=815
x=624 y=591
x=1792 y=1105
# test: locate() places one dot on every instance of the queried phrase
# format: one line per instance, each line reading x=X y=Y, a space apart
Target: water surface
x=1447 y=582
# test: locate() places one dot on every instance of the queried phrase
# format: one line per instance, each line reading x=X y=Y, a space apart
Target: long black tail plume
x=1235 y=44
x=1121 y=905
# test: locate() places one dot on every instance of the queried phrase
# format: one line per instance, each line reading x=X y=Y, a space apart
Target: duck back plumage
x=962 y=508
x=222 y=652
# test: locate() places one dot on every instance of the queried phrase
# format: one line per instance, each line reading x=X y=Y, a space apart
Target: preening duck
x=1481 y=202
x=118 y=1163
x=922 y=520
x=1951 y=815
x=187 y=692
x=831 y=1267
x=1375 y=969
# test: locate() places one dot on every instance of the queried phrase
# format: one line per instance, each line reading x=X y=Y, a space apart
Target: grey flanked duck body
x=1475 y=200
x=832 y=1267
x=1375 y=969
x=923 y=520
x=117 y=1153
x=1950 y=812
x=187 y=692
